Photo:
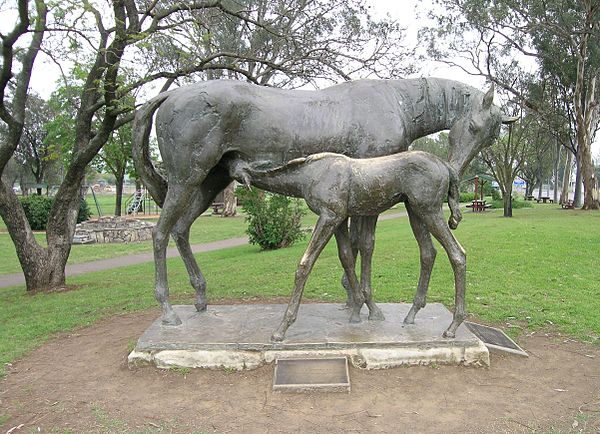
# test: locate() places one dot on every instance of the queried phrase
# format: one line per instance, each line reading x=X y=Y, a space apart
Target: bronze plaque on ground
x=307 y=375
x=495 y=339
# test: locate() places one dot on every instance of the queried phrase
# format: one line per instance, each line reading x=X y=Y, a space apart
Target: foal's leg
x=458 y=258
x=355 y=230
x=366 y=245
x=322 y=233
x=427 y=253
x=348 y=262
x=181 y=232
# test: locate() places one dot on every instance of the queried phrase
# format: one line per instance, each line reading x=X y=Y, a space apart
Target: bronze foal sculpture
x=199 y=125
x=336 y=187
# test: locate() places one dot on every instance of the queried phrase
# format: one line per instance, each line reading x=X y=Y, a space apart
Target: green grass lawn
x=539 y=269
x=204 y=229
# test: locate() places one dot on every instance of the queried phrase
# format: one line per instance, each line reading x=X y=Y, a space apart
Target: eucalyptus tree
x=150 y=43
x=505 y=158
x=553 y=40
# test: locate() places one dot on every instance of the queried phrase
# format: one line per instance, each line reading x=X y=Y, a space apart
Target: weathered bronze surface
x=201 y=126
x=337 y=187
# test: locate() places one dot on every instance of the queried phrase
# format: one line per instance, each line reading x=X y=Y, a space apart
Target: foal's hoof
x=171 y=319
x=410 y=319
x=449 y=334
x=355 y=318
x=200 y=307
x=277 y=336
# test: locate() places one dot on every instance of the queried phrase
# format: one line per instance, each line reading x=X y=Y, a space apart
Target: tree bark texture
x=229 y=201
x=566 y=181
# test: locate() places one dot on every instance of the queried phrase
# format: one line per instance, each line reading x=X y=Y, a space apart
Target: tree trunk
x=577 y=193
x=507 y=199
x=566 y=181
x=587 y=174
x=120 y=180
x=39 y=266
x=555 y=175
x=229 y=201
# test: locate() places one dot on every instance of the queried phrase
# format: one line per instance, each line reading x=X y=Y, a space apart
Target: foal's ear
x=488 y=98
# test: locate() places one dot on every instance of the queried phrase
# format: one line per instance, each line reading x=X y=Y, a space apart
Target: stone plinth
x=238 y=337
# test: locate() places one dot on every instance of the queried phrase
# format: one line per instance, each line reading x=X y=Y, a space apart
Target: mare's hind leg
x=366 y=245
x=175 y=205
x=427 y=255
x=458 y=258
x=322 y=233
x=347 y=258
x=181 y=231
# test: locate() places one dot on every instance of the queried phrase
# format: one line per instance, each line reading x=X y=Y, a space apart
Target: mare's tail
x=453 y=199
x=142 y=125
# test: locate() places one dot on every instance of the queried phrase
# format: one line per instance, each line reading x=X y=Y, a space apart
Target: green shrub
x=84 y=211
x=516 y=204
x=467 y=197
x=496 y=195
x=273 y=220
x=37 y=210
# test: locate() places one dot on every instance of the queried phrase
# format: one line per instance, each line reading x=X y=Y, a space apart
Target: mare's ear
x=488 y=98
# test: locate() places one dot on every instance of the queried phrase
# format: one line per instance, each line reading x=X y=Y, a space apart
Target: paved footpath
x=140 y=258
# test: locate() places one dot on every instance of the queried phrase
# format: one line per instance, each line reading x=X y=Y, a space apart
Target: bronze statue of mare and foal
x=208 y=131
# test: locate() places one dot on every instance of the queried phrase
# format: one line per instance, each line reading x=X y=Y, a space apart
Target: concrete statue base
x=238 y=337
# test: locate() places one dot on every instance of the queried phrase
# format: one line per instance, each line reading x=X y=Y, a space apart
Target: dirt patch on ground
x=80 y=383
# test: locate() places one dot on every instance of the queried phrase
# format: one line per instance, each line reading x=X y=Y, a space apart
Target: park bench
x=218 y=207
x=569 y=204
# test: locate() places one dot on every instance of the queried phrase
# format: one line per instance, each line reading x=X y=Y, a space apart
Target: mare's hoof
x=376 y=315
x=200 y=307
x=171 y=319
x=409 y=320
x=449 y=334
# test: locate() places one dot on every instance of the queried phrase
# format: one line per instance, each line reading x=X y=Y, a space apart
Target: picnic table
x=478 y=205
x=544 y=199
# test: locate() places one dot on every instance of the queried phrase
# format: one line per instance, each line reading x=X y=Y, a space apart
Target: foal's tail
x=142 y=124
x=453 y=199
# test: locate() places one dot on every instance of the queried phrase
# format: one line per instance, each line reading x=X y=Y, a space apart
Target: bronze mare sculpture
x=336 y=187
x=199 y=125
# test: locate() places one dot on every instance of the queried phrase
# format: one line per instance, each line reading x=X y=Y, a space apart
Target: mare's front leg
x=458 y=258
x=366 y=246
x=181 y=231
x=324 y=228
x=347 y=258
x=427 y=255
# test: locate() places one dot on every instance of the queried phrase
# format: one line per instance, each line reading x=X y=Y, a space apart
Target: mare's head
x=474 y=131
